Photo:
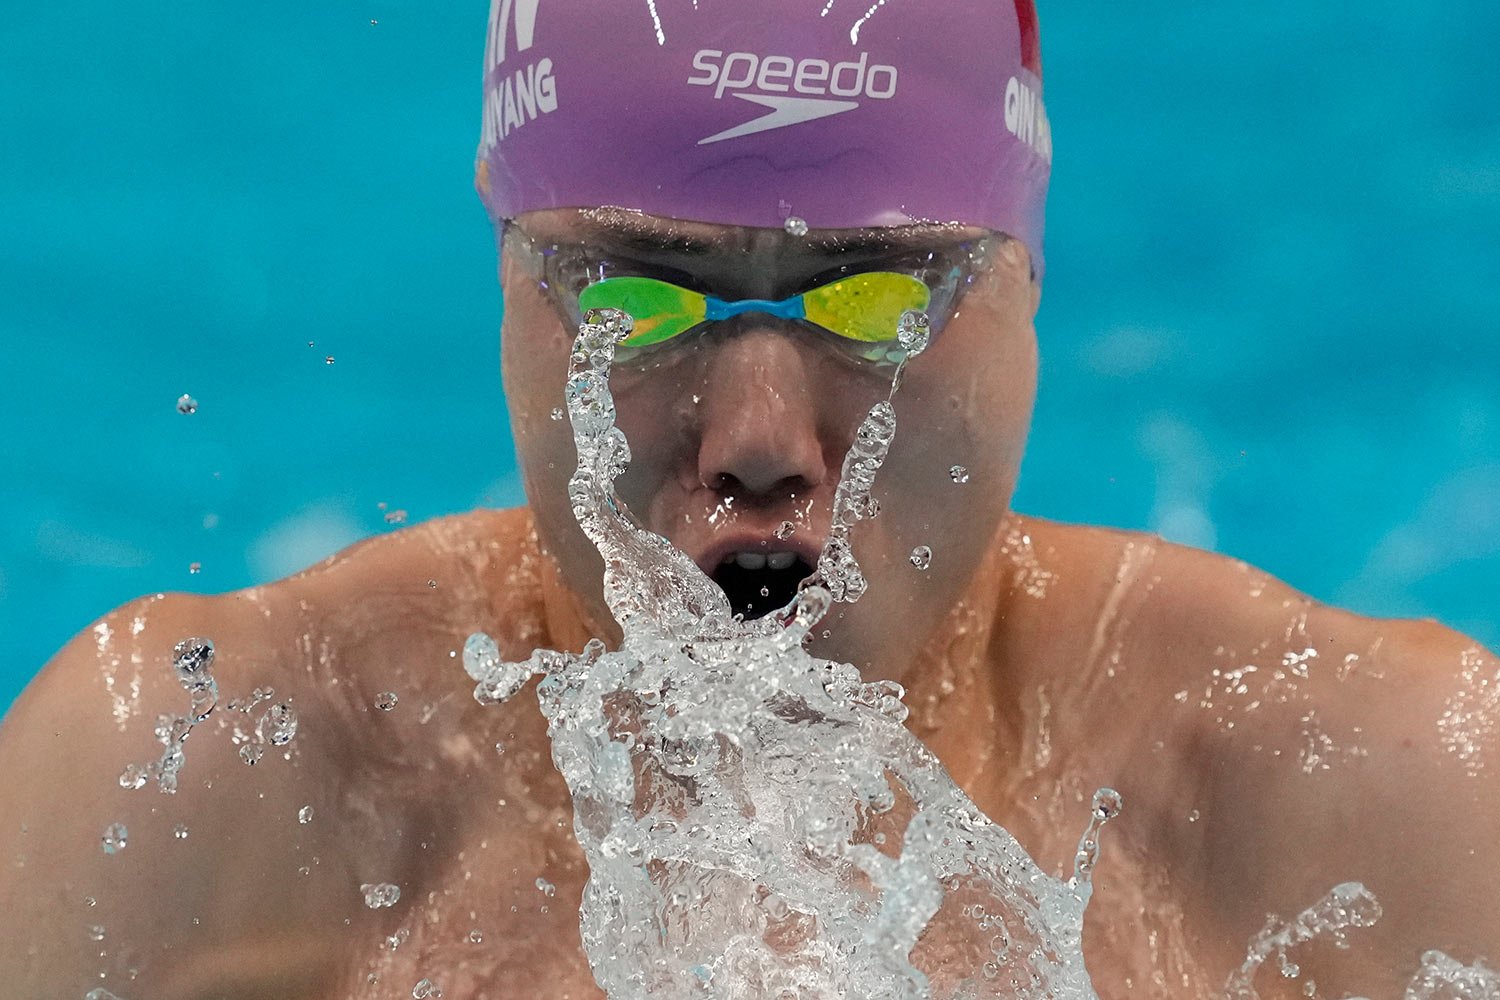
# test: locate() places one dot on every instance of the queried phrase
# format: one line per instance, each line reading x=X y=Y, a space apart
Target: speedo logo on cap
x=512 y=99
x=824 y=88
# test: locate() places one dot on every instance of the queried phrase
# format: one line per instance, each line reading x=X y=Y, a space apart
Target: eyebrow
x=645 y=235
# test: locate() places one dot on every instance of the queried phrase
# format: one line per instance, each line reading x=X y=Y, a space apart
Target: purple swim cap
x=845 y=113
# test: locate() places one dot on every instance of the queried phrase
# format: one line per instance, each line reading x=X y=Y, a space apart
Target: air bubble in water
x=557 y=413
x=386 y=700
x=380 y=894
x=784 y=530
x=305 y=815
x=426 y=989
x=547 y=888
x=921 y=557
x=251 y=753
x=958 y=474
x=115 y=836
x=133 y=777
x=795 y=226
x=395 y=517
x=100 y=994
x=96 y=933
x=186 y=404
x=476 y=936
x=180 y=832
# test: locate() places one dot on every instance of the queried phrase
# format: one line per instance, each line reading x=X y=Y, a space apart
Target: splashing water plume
x=759 y=822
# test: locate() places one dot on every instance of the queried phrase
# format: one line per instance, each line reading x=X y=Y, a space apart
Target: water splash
x=1346 y=906
x=192 y=664
x=854 y=31
x=758 y=822
x=1445 y=978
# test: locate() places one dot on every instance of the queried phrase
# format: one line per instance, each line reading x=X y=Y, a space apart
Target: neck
x=965 y=689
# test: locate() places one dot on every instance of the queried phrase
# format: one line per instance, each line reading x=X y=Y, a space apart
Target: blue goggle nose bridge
x=791 y=308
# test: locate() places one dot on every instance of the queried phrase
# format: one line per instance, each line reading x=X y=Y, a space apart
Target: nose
x=759 y=417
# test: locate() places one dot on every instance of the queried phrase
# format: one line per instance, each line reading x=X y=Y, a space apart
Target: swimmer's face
x=739 y=426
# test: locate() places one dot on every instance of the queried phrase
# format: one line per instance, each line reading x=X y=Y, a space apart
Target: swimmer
x=759 y=186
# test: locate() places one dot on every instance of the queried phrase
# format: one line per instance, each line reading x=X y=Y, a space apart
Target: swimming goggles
x=864 y=308
x=860 y=308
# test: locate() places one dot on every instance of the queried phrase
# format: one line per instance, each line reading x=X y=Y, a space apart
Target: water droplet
x=278 y=725
x=395 y=517
x=115 y=836
x=192 y=658
x=380 y=894
x=784 y=530
x=133 y=777
x=1194 y=816
x=251 y=753
x=386 y=700
x=476 y=936
x=328 y=360
x=913 y=332
x=481 y=656
x=180 y=832
x=547 y=888
x=397 y=939
x=186 y=404
x=557 y=413
x=305 y=815
x=96 y=933
x=426 y=989
x=1107 y=804
x=195 y=568
x=795 y=226
x=921 y=557
x=90 y=901
x=958 y=474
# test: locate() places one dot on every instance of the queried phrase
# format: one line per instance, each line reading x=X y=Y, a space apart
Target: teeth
x=760 y=560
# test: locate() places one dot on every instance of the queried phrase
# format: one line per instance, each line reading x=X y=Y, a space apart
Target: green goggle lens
x=660 y=309
x=862 y=307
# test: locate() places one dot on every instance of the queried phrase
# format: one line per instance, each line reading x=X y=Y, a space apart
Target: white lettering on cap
x=1026 y=118
x=525 y=95
x=764 y=79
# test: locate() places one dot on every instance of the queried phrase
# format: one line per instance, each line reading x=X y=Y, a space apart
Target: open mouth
x=758 y=583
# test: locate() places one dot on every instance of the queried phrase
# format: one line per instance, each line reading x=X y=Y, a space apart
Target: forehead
x=628 y=231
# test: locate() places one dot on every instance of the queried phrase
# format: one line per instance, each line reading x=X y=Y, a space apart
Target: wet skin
x=1043 y=661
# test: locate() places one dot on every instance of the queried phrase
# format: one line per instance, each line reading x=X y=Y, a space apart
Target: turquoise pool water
x=1269 y=324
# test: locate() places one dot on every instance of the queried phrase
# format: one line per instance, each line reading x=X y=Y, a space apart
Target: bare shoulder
x=93 y=838
x=1309 y=746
